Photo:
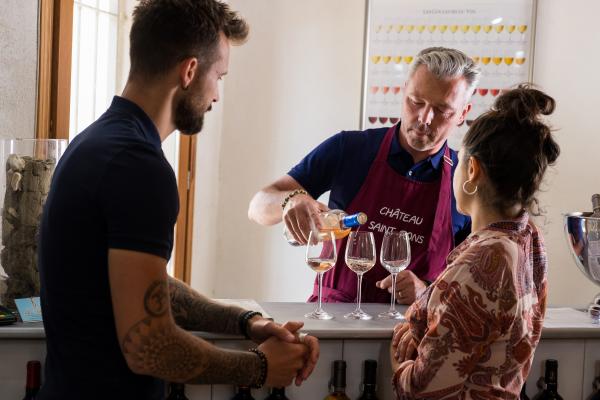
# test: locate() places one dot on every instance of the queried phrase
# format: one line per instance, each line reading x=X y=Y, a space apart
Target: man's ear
x=464 y=113
x=188 y=69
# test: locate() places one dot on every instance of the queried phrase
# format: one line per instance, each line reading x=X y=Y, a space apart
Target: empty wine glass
x=360 y=258
x=395 y=257
x=321 y=255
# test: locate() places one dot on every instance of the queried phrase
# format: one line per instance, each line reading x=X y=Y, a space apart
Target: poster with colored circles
x=498 y=36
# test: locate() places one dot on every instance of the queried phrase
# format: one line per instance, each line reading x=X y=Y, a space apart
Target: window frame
x=53 y=117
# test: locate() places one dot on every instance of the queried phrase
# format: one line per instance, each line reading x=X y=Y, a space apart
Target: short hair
x=166 y=32
x=445 y=63
x=514 y=146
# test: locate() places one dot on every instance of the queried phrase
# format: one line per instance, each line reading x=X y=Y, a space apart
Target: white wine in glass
x=321 y=255
x=360 y=258
x=395 y=257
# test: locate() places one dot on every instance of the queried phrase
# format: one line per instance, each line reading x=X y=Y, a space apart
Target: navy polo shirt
x=341 y=163
x=113 y=188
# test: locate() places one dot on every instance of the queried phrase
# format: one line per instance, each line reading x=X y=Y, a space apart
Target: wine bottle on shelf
x=523 y=395
x=596 y=205
x=33 y=383
x=243 y=393
x=550 y=391
x=277 y=394
x=337 y=386
x=596 y=394
x=177 y=392
x=336 y=221
x=369 y=387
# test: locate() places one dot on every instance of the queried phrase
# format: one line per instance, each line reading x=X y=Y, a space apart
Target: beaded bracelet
x=292 y=194
x=243 y=322
x=264 y=367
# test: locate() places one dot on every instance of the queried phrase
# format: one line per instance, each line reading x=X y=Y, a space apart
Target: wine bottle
x=550 y=392
x=243 y=393
x=33 y=383
x=596 y=394
x=177 y=392
x=277 y=394
x=336 y=221
x=523 y=395
x=369 y=389
x=337 y=386
x=596 y=205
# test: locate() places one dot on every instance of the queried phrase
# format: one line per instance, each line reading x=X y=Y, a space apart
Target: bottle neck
x=351 y=221
x=551 y=387
x=369 y=388
x=33 y=382
x=339 y=389
x=550 y=380
x=369 y=392
x=596 y=205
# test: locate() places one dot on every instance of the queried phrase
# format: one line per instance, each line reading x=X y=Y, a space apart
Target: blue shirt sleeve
x=317 y=170
x=140 y=201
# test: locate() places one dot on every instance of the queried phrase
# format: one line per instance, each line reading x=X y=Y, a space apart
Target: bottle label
x=350 y=221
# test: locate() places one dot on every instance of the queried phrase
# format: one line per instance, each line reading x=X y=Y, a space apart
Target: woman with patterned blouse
x=473 y=332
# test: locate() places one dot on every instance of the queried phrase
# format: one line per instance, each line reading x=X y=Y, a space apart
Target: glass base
x=318 y=314
x=391 y=315
x=358 y=314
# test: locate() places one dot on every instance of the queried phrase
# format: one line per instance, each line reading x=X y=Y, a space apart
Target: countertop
x=560 y=323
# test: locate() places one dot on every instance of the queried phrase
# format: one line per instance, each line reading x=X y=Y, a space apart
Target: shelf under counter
x=568 y=336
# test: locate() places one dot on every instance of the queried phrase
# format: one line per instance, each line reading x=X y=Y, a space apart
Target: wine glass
x=321 y=255
x=395 y=257
x=360 y=258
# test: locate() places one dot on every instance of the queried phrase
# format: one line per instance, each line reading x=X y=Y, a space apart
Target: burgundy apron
x=394 y=203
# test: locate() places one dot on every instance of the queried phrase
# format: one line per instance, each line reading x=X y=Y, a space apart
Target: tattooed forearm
x=156 y=346
x=192 y=311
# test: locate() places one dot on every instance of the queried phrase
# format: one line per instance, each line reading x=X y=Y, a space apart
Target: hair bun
x=525 y=104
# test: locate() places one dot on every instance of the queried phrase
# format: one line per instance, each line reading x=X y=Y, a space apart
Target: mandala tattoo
x=156 y=346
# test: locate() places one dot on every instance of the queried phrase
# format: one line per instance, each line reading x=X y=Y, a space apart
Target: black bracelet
x=264 y=367
x=243 y=322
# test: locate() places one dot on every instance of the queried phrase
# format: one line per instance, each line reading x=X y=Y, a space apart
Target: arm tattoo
x=156 y=302
x=156 y=346
x=193 y=311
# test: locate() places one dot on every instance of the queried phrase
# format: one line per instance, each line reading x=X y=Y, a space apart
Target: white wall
x=18 y=67
x=295 y=82
x=298 y=80
x=566 y=66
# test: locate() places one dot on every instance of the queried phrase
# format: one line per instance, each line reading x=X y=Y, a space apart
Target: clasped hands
x=291 y=355
x=403 y=347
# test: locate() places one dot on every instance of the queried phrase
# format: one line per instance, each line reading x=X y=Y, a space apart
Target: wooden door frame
x=54 y=69
x=53 y=117
x=185 y=219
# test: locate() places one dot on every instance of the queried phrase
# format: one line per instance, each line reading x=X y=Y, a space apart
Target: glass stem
x=393 y=302
x=320 y=275
x=359 y=291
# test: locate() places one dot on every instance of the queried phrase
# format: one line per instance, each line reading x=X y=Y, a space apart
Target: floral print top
x=479 y=323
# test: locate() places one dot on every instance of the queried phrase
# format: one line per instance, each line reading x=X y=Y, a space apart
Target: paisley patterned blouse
x=479 y=323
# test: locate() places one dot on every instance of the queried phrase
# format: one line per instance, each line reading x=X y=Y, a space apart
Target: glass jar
x=28 y=165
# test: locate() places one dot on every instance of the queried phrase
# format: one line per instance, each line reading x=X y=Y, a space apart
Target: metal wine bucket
x=582 y=232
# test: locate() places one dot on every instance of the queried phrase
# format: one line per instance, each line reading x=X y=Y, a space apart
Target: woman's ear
x=474 y=170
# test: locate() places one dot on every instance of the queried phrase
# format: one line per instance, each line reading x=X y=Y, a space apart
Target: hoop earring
x=465 y=189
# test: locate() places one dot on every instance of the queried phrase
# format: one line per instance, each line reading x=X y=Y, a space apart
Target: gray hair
x=444 y=63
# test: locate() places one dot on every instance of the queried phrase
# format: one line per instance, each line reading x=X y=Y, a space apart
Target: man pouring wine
x=400 y=177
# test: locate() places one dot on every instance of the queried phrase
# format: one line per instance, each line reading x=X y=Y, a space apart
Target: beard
x=189 y=114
